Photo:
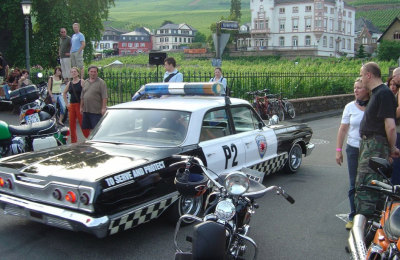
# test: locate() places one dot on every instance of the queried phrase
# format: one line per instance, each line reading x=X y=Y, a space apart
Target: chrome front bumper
x=309 y=148
x=53 y=216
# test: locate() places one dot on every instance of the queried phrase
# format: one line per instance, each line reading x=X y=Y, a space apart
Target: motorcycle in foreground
x=380 y=235
x=30 y=137
x=223 y=231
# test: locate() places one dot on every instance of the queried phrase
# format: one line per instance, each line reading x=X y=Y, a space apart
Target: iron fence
x=122 y=85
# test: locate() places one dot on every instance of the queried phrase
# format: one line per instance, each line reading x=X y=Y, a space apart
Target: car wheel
x=295 y=158
x=185 y=205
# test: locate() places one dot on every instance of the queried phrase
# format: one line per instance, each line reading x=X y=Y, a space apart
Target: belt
x=56 y=93
x=376 y=136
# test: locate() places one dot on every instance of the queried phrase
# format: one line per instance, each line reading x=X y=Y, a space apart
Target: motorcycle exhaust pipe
x=356 y=238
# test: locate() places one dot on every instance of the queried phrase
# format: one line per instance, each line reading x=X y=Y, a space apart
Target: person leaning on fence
x=378 y=137
x=74 y=88
x=219 y=78
x=171 y=73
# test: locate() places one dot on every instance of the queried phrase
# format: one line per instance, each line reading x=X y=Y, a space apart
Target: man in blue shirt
x=171 y=74
x=77 y=46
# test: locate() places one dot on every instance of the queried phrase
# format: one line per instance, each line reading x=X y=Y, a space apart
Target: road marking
x=344 y=217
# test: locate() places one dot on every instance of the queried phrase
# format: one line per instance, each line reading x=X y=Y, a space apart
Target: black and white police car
x=121 y=176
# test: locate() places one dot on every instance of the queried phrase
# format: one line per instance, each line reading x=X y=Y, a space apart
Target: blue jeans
x=396 y=165
x=6 y=89
x=352 y=164
x=58 y=98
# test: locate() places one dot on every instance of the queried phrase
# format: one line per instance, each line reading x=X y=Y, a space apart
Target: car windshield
x=142 y=126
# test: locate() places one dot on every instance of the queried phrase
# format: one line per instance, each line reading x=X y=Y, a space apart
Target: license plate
x=34 y=118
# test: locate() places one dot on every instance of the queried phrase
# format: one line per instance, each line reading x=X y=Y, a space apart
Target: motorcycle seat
x=392 y=224
x=39 y=128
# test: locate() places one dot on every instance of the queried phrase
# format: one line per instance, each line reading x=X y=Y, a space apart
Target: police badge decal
x=261 y=144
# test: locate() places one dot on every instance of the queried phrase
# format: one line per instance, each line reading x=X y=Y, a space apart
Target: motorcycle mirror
x=40 y=75
x=381 y=166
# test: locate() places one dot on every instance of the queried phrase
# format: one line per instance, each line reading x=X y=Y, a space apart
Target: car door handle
x=248 y=143
x=210 y=154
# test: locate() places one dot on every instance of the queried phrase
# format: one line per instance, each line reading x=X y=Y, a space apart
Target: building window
x=324 y=41
x=142 y=44
x=318 y=23
x=124 y=44
x=281 y=25
x=325 y=24
x=295 y=9
x=331 y=25
x=349 y=28
x=343 y=43
x=308 y=40
x=136 y=44
x=295 y=24
x=295 y=41
x=396 y=36
x=331 y=42
x=344 y=13
x=281 y=10
x=325 y=9
x=130 y=45
x=308 y=8
x=350 y=14
x=281 y=41
x=166 y=39
x=348 y=44
x=332 y=10
x=364 y=40
x=308 y=23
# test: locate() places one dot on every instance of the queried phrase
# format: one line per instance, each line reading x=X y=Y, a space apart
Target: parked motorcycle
x=30 y=137
x=378 y=238
x=223 y=232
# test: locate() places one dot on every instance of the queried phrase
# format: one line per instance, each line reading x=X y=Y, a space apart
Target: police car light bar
x=195 y=88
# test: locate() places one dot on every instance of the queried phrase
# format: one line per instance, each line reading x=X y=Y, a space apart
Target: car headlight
x=225 y=210
x=237 y=183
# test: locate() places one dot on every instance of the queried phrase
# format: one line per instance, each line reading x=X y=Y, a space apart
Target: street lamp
x=26 y=10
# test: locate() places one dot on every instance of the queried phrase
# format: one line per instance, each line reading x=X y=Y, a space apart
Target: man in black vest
x=378 y=136
x=171 y=74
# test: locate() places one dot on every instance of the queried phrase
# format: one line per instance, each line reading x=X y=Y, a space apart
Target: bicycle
x=261 y=103
x=287 y=106
x=280 y=106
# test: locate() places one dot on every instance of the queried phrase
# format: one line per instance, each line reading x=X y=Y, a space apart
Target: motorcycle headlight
x=237 y=183
x=225 y=210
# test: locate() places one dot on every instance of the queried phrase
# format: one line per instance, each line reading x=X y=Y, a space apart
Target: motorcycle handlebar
x=381 y=184
x=200 y=163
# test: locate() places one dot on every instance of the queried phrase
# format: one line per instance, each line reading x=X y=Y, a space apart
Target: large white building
x=171 y=36
x=298 y=27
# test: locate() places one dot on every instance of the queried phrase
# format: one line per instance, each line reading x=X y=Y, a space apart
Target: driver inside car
x=174 y=121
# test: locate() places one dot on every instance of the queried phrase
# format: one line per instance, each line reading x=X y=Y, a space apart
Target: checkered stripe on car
x=141 y=215
x=271 y=165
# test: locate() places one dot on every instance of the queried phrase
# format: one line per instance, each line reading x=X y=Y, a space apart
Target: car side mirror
x=260 y=125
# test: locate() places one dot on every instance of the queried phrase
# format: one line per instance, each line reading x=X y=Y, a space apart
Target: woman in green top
x=55 y=92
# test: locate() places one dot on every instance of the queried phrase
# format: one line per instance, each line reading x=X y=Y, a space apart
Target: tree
x=49 y=17
x=389 y=50
x=167 y=22
x=199 y=37
x=235 y=13
x=361 y=53
x=12 y=32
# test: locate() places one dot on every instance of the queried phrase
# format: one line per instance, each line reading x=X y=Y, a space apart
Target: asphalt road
x=308 y=229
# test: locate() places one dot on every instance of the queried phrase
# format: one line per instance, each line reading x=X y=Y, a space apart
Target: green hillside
x=128 y=14
x=151 y=13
